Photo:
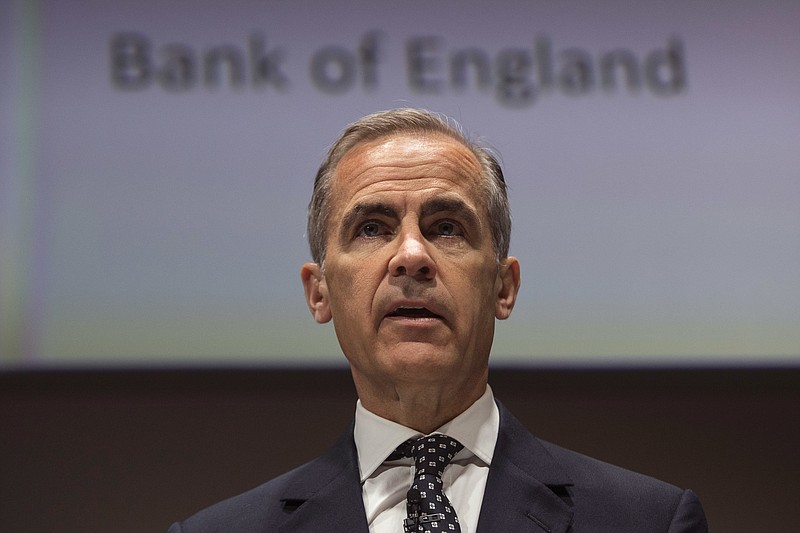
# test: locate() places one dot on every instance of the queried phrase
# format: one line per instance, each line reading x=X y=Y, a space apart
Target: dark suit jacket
x=533 y=486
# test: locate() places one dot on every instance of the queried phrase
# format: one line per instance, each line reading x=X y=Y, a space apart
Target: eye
x=371 y=229
x=447 y=228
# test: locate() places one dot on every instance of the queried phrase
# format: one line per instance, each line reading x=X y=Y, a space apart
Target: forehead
x=424 y=163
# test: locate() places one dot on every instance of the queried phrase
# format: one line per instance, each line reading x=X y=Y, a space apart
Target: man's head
x=415 y=121
x=411 y=264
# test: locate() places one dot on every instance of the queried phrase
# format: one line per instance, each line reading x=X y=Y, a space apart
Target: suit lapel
x=523 y=485
x=522 y=490
x=328 y=496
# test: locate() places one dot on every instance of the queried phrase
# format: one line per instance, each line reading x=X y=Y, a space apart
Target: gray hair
x=396 y=121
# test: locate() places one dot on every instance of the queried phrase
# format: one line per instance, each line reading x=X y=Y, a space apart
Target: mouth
x=412 y=312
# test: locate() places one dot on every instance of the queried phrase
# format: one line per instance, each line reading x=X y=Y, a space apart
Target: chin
x=414 y=359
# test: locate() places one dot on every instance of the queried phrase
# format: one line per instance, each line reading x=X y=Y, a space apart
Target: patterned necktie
x=429 y=510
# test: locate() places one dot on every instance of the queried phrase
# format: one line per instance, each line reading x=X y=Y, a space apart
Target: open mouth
x=413 y=312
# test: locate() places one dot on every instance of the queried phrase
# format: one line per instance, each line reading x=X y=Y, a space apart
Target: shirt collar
x=376 y=437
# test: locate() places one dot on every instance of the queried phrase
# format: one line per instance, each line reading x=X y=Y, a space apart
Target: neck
x=423 y=408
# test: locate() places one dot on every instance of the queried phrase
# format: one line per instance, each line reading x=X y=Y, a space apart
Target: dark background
x=132 y=451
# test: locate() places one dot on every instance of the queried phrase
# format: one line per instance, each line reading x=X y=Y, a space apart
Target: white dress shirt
x=385 y=483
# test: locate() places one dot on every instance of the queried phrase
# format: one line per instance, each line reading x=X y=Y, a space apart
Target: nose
x=412 y=258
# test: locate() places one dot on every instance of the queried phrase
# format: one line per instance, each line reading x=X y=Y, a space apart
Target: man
x=409 y=229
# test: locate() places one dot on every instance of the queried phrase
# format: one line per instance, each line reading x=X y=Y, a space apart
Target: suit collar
x=328 y=496
x=521 y=448
x=525 y=486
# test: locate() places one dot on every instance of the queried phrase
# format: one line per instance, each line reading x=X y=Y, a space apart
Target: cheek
x=352 y=291
x=476 y=277
x=475 y=289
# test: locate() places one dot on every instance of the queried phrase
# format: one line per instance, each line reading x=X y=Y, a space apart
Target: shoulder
x=614 y=495
x=253 y=510
x=600 y=496
x=598 y=477
x=266 y=507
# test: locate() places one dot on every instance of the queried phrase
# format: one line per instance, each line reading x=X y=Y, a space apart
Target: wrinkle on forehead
x=428 y=162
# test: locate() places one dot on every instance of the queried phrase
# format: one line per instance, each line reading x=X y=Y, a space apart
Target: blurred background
x=156 y=160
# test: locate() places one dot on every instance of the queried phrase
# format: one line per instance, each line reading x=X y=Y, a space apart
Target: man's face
x=411 y=279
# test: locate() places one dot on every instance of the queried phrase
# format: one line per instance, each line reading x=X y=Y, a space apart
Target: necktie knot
x=432 y=454
x=428 y=508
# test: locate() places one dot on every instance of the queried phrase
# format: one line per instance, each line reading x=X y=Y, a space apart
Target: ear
x=507 y=287
x=316 y=292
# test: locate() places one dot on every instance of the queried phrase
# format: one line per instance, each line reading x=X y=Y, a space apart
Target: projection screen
x=157 y=160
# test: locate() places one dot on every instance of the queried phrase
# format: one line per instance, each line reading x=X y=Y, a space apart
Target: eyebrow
x=455 y=206
x=362 y=210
